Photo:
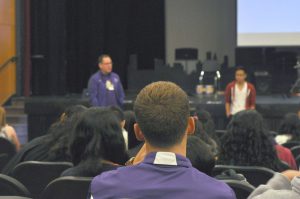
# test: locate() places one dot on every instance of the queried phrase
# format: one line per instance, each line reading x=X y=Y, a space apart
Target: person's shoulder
x=115 y=75
x=219 y=187
x=230 y=84
x=250 y=85
x=105 y=182
x=95 y=75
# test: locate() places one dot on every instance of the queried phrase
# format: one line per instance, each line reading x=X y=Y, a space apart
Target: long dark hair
x=129 y=127
x=246 y=142
x=200 y=155
x=96 y=136
x=59 y=133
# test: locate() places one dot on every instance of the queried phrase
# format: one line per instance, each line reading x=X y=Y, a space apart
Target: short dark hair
x=101 y=57
x=200 y=155
x=240 y=68
x=162 y=112
x=290 y=125
x=97 y=135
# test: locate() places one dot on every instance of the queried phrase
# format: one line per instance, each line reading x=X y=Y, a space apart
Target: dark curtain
x=71 y=34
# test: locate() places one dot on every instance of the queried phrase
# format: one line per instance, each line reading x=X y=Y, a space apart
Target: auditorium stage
x=43 y=111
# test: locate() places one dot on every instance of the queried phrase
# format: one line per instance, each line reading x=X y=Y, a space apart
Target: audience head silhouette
x=162 y=114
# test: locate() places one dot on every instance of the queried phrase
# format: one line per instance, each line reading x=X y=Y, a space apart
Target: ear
x=99 y=65
x=190 y=130
x=138 y=133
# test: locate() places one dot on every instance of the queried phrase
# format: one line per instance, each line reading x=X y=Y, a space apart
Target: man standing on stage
x=239 y=95
x=105 y=88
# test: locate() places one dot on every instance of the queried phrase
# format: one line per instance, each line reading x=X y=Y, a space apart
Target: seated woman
x=97 y=144
x=203 y=135
x=246 y=143
x=200 y=155
x=289 y=129
x=50 y=147
x=7 y=131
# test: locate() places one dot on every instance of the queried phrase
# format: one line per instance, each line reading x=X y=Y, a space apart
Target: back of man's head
x=162 y=113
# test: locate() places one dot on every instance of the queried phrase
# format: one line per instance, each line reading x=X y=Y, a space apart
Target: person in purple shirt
x=161 y=169
x=104 y=87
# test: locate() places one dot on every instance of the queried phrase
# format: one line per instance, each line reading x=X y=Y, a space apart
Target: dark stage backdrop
x=67 y=36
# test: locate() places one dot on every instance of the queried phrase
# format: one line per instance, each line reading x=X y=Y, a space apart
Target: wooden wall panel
x=7 y=49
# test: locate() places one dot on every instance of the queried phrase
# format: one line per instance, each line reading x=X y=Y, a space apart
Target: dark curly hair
x=290 y=125
x=96 y=136
x=246 y=142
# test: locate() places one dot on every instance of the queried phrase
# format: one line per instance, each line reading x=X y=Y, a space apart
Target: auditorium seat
x=67 y=187
x=254 y=175
x=298 y=161
x=7 y=151
x=295 y=151
x=3 y=160
x=220 y=133
x=36 y=175
x=242 y=190
x=291 y=144
x=12 y=187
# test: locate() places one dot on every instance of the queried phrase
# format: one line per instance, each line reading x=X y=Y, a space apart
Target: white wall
x=209 y=25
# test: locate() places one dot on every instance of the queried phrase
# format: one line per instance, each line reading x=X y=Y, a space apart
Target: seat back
x=220 y=133
x=295 y=151
x=7 y=147
x=3 y=160
x=36 y=175
x=254 y=175
x=298 y=161
x=241 y=189
x=12 y=187
x=67 y=187
x=291 y=144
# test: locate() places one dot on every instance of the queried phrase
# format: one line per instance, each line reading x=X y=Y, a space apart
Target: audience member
x=96 y=144
x=201 y=133
x=207 y=122
x=289 y=129
x=50 y=147
x=246 y=143
x=120 y=115
x=200 y=155
x=284 y=185
x=163 y=171
x=7 y=131
x=129 y=124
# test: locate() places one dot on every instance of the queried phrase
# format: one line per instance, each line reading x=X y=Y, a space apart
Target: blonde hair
x=2 y=117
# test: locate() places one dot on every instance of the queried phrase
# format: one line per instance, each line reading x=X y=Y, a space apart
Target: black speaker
x=186 y=54
x=263 y=82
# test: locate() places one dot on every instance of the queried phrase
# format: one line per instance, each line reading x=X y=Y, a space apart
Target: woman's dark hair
x=201 y=133
x=129 y=127
x=290 y=125
x=200 y=155
x=59 y=133
x=97 y=135
x=207 y=123
x=246 y=142
x=118 y=112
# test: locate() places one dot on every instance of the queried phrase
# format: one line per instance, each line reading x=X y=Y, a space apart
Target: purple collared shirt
x=161 y=175
x=105 y=90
